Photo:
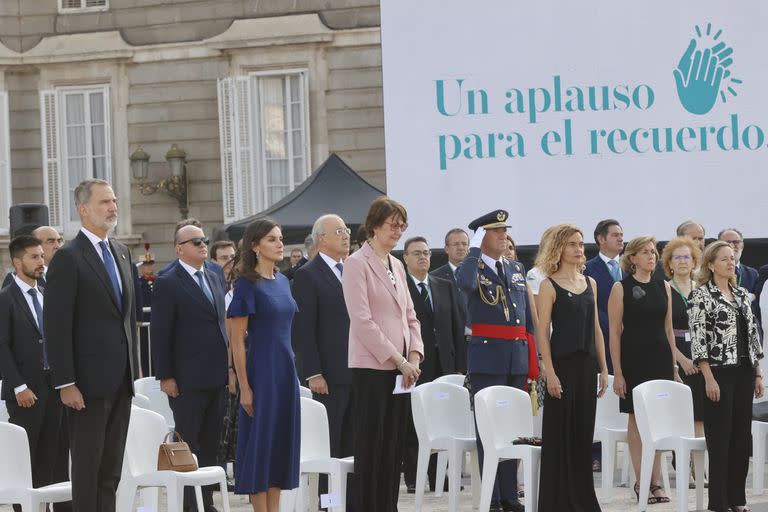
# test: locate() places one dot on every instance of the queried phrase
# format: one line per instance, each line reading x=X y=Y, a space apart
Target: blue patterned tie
x=39 y=315
x=201 y=282
x=109 y=263
x=340 y=266
x=614 y=267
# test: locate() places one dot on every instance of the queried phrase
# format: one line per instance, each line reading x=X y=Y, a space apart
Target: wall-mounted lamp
x=174 y=185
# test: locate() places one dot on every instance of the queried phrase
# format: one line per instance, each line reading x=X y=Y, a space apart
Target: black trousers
x=97 y=437
x=727 y=427
x=197 y=415
x=379 y=433
x=48 y=450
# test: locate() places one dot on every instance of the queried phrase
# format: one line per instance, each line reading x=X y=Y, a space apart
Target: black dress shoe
x=512 y=506
x=410 y=488
x=495 y=507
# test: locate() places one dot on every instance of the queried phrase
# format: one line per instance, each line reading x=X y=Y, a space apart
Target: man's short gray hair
x=686 y=224
x=85 y=189
x=318 y=229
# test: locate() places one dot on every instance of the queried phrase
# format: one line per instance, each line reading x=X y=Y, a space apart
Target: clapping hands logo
x=703 y=73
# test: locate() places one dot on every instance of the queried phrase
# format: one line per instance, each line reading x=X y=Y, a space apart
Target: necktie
x=500 y=271
x=39 y=314
x=614 y=268
x=109 y=263
x=425 y=296
x=201 y=282
x=340 y=266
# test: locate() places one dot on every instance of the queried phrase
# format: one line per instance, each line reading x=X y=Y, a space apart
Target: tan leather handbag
x=175 y=456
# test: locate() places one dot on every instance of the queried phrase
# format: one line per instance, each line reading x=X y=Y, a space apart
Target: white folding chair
x=503 y=414
x=443 y=422
x=3 y=409
x=315 y=457
x=664 y=415
x=305 y=392
x=150 y=387
x=146 y=432
x=451 y=378
x=610 y=430
x=759 y=437
x=141 y=401
x=16 y=474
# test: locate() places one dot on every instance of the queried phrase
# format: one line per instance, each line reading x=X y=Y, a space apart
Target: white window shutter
x=51 y=159
x=227 y=143
x=244 y=145
x=5 y=163
x=236 y=141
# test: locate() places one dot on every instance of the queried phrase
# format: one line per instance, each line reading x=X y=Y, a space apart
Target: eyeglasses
x=419 y=254
x=734 y=243
x=401 y=226
x=343 y=231
x=459 y=244
x=196 y=241
x=682 y=257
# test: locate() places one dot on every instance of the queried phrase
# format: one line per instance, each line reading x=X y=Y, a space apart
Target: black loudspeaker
x=27 y=217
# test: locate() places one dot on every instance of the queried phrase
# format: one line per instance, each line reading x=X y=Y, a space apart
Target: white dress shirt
x=94 y=239
x=25 y=293
x=490 y=261
x=332 y=264
x=426 y=284
x=617 y=259
x=534 y=278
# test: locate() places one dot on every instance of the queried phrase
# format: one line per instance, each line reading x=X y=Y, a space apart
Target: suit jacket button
x=517 y=320
x=514 y=305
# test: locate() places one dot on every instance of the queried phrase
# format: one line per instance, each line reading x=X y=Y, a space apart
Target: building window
x=77 y=145
x=263 y=121
x=72 y=6
x=5 y=163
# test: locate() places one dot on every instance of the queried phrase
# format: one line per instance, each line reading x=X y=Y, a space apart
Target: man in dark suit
x=189 y=350
x=442 y=331
x=51 y=241
x=297 y=260
x=90 y=326
x=456 y=248
x=605 y=270
x=746 y=276
x=209 y=265
x=27 y=388
x=320 y=333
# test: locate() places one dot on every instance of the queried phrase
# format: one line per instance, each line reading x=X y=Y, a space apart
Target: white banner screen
x=650 y=113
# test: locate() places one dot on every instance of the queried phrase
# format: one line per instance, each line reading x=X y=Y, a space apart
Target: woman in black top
x=726 y=346
x=642 y=341
x=680 y=257
x=571 y=356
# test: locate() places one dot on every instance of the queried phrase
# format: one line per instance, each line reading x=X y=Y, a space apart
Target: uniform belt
x=504 y=332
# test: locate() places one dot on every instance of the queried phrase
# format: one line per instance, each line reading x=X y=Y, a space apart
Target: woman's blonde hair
x=632 y=248
x=553 y=243
x=675 y=244
x=705 y=275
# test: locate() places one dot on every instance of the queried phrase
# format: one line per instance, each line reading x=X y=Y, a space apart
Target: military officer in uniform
x=501 y=350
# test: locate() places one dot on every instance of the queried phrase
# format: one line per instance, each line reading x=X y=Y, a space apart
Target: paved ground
x=624 y=500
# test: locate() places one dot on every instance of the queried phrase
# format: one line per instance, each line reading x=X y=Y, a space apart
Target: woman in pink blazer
x=384 y=342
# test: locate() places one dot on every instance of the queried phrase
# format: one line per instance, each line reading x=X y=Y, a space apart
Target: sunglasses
x=196 y=241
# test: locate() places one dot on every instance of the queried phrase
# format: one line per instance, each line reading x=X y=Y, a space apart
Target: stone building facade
x=256 y=92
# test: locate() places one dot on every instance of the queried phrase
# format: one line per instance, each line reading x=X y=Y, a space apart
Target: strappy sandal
x=652 y=500
x=658 y=499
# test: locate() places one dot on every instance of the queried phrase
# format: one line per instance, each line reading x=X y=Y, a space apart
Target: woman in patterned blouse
x=726 y=346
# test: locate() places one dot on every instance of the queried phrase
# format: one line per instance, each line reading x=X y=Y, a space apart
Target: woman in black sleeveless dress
x=642 y=340
x=572 y=355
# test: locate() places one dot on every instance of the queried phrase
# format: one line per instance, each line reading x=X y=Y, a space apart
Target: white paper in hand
x=330 y=500
x=399 y=389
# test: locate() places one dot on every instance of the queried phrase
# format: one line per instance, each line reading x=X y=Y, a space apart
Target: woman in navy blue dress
x=268 y=434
